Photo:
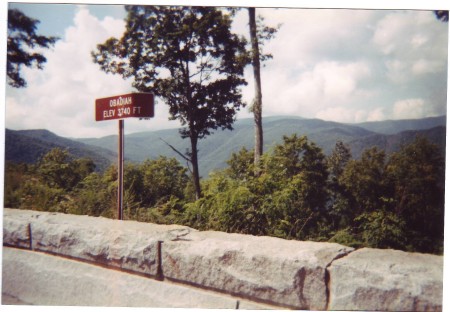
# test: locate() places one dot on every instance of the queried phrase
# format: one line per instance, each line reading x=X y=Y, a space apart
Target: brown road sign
x=139 y=105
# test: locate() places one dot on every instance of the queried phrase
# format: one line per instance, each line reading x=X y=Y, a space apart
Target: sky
x=345 y=65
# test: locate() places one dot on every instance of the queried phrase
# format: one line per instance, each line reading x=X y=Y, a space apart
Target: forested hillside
x=396 y=126
x=378 y=200
x=28 y=146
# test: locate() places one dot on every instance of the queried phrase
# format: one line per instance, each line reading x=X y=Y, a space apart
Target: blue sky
x=57 y=17
x=346 y=65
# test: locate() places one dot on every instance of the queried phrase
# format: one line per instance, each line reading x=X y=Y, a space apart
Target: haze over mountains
x=29 y=145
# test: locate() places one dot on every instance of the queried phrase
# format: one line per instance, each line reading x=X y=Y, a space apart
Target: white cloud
x=351 y=115
x=409 y=109
x=412 y=43
x=418 y=40
x=342 y=114
x=391 y=30
x=425 y=66
x=61 y=97
x=342 y=65
x=326 y=85
x=376 y=114
x=352 y=64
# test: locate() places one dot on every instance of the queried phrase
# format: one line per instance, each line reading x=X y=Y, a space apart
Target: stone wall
x=36 y=278
x=283 y=273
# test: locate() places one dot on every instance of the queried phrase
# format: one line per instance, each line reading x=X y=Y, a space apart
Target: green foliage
x=398 y=203
x=48 y=184
x=441 y=15
x=157 y=189
x=28 y=146
x=299 y=194
x=348 y=237
x=190 y=58
x=162 y=179
x=238 y=212
x=382 y=229
x=15 y=177
x=56 y=169
x=286 y=199
x=339 y=207
x=96 y=196
x=416 y=177
x=240 y=165
x=227 y=206
x=39 y=196
x=363 y=179
x=22 y=38
x=337 y=161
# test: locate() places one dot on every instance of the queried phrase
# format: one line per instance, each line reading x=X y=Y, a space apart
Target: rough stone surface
x=388 y=280
x=290 y=273
x=293 y=274
x=16 y=226
x=127 y=245
x=16 y=233
x=41 y=279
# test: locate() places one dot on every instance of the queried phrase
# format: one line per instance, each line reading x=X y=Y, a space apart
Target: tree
x=441 y=15
x=22 y=39
x=162 y=179
x=190 y=58
x=240 y=165
x=338 y=159
x=257 y=102
x=298 y=169
x=416 y=174
x=339 y=198
x=363 y=180
x=257 y=35
x=96 y=195
x=16 y=175
x=57 y=169
x=54 y=169
x=53 y=181
x=294 y=155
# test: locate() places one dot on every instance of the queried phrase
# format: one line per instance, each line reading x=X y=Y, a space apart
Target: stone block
x=272 y=270
x=17 y=226
x=387 y=280
x=42 y=279
x=16 y=232
x=291 y=274
x=126 y=245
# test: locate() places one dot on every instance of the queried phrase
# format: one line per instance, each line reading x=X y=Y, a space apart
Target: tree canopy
x=379 y=201
x=441 y=15
x=22 y=39
x=190 y=58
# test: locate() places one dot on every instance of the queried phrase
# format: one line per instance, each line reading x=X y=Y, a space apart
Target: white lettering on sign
x=123 y=111
x=121 y=101
x=109 y=113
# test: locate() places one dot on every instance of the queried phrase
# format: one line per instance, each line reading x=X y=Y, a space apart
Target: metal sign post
x=139 y=105
x=120 y=171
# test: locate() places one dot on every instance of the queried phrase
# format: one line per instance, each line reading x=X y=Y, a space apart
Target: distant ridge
x=391 y=143
x=396 y=126
x=28 y=145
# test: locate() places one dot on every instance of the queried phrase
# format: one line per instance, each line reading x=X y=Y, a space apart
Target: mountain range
x=29 y=145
